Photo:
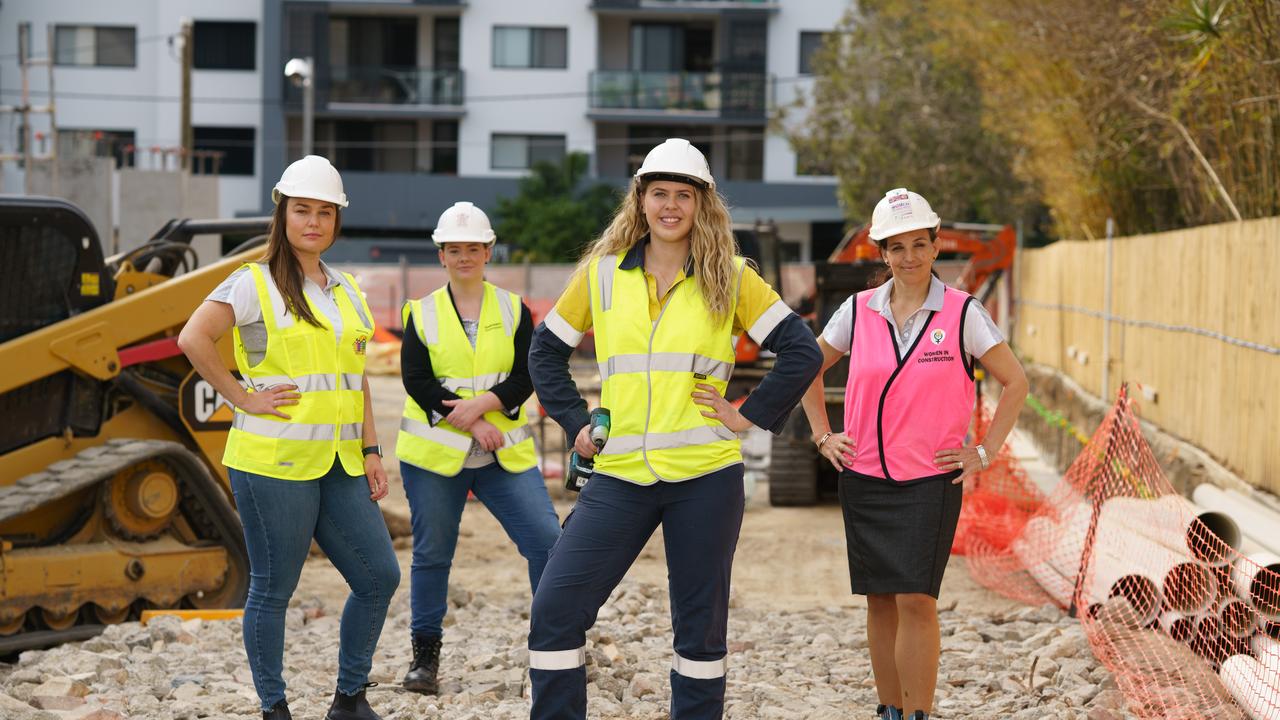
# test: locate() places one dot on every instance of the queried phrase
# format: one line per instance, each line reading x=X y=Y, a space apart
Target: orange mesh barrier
x=1186 y=619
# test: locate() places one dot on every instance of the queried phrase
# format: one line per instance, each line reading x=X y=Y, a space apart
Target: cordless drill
x=580 y=468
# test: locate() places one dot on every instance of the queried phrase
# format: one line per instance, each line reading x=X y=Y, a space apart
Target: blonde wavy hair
x=711 y=244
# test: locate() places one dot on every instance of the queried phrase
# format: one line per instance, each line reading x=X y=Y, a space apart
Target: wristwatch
x=372 y=450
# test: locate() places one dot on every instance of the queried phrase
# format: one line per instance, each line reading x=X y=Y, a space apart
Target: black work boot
x=421 y=677
x=279 y=711
x=888 y=712
x=351 y=707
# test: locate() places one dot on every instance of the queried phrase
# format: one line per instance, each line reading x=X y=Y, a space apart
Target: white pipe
x=1238 y=618
x=1256 y=521
x=1257 y=580
x=1186 y=585
x=1253 y=687
x=1179 y=626
x=1031 y=548
x=1172 y=521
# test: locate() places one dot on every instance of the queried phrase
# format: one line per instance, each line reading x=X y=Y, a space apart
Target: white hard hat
x=311 y=177
x=899 y=211
x=463 y=222
x=677 y=159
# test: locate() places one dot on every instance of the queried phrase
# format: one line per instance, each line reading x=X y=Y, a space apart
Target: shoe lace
x=426 y=653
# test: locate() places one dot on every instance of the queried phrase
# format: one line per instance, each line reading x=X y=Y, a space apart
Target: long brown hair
x=284 y=266
x=711 y=244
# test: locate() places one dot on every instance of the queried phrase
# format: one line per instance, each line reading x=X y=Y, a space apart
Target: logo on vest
x=933 y=356
x=360 y=344
x=937 y=336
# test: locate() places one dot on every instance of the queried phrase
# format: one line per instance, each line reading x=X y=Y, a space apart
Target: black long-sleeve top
x=425 y=388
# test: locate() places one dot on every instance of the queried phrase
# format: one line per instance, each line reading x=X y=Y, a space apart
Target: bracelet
x=982 y=455
x=825 y=437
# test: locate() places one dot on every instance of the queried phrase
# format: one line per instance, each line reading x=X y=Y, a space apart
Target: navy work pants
x=607 y=529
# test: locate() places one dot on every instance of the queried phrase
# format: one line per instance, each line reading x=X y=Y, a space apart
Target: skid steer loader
x=112 y=496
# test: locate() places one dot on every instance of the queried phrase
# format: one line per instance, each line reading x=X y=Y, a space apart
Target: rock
x=643 y=684
x=14 y=709
x=60 y=702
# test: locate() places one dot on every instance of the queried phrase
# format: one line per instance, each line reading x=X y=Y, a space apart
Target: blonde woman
x=664 y=292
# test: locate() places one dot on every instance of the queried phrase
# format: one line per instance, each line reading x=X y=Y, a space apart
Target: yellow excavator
x=113 y=498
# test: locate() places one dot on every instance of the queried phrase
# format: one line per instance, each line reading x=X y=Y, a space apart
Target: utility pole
x=188 y=135
x=25 y=109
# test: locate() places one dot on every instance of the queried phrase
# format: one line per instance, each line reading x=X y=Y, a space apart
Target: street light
x=301 y=72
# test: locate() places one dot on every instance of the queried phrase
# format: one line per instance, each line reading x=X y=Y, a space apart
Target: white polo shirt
x=240 y=292
x=980 y=333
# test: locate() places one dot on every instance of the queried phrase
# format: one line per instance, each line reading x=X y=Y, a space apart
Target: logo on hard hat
x=899 y=197
x=460 y=220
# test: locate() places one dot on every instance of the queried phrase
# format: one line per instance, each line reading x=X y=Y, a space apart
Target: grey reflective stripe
x=477 y=384
x=438 y=435
x=604 y=274
x=415 y=312
x=666 y=362
x=281 y=318
x=283 y=430
x=306 y=383
x=504 y=304
x=429 y=328
x=699 y=669
x=705 y=435
x=557 y=659
x=562 y=329
x=517 y=436
x=353 y=294
x=768 y=320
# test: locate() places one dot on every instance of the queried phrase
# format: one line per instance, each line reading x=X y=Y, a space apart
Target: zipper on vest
x=648 y=379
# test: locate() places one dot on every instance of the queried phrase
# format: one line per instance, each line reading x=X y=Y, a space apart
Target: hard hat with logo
x=463 y=222
x=677 y=159
x=899 y=211
x=311 y=177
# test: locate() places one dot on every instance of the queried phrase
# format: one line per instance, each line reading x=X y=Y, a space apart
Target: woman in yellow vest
x=465 y=366
x=665 y=294
x=302 y=452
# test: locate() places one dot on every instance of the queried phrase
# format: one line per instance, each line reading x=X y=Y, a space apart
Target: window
x=444 y=147
x=521 y=152
x=745 y=154
x=235 y=143
x=95 y=46
x=74 y=142
x=810 y=44
x=530 y=47
x=225 y=45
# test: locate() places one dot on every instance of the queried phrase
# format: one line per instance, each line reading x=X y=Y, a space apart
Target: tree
x=896 y=104
x=555 y=213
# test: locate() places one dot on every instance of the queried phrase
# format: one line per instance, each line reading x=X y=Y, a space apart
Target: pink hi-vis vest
x=900 y=413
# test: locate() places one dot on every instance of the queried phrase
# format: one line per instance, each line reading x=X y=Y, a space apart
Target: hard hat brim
x=879 y=235
x=675 y=177
x=277 y=193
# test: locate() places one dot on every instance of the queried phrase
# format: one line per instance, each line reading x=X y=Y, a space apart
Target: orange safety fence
x=1174 y=599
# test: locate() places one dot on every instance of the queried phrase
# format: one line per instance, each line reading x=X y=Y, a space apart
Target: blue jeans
x=518 y=500
x=280 y=518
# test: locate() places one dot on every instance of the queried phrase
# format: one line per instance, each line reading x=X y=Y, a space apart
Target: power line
x=140 y=41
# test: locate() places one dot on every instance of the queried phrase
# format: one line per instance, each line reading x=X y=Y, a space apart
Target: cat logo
x=937 y=336
x=204 y=409
x=361 y=344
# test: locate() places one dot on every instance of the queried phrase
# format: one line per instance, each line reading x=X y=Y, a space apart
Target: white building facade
x=424 y=102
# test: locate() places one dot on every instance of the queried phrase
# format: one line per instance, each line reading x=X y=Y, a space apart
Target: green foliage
x=897 y=104
x=554 y=215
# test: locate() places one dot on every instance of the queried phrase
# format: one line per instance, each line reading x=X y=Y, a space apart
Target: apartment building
x=424 y=102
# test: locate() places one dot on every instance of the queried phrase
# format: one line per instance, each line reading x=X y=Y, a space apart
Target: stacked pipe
x=1167 y=564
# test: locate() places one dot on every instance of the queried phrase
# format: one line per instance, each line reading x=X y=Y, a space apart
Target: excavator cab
x=112 y=499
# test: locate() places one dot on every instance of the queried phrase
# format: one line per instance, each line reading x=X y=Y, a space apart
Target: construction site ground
x=797 y=637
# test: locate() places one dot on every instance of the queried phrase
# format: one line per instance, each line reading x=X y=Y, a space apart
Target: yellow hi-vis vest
x=648 y=370
x=468 y=372
x=329 y=373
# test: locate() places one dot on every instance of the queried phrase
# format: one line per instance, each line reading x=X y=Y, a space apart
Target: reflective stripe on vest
x=901 y=412
x=328 y=371
x=648 y=370
x=466 y=371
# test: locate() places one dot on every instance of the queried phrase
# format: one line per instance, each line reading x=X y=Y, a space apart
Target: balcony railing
x=730 y=94
x=390 y=85
x=686 y=4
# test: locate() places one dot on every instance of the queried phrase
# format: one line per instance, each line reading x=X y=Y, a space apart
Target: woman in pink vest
x=904 y=453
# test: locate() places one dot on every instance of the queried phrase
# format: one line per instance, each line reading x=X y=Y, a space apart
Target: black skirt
x=898 y=536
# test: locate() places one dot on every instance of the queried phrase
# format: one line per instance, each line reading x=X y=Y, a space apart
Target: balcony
x=400 y=87
x=626 y=94
x=684 y=6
